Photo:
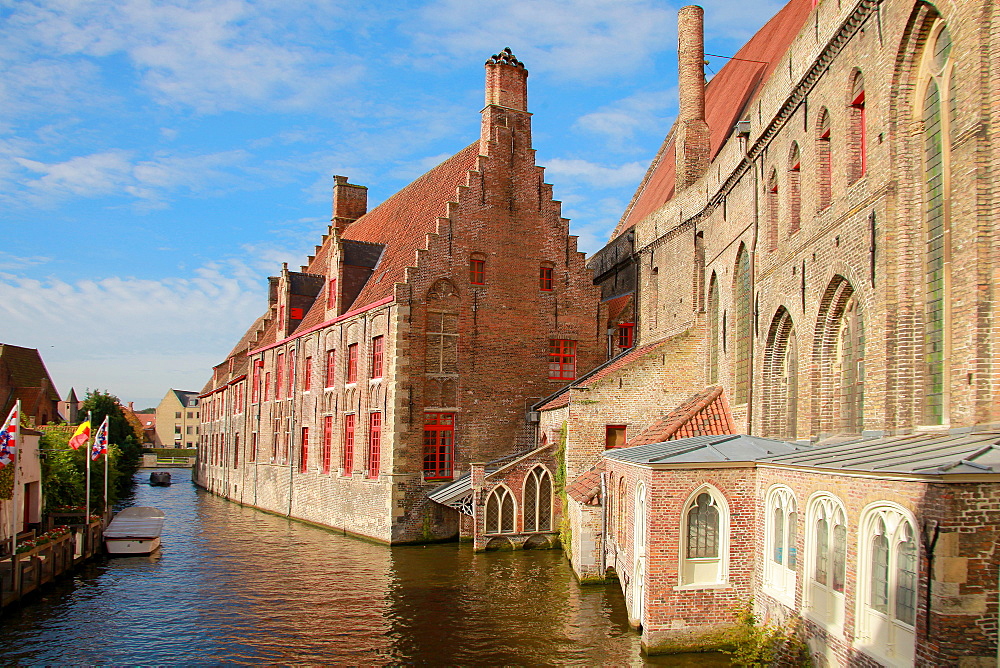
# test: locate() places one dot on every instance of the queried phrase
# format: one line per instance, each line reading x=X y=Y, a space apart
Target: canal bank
x=235 y=585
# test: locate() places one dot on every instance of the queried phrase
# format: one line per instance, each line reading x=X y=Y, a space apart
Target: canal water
x=232 y=585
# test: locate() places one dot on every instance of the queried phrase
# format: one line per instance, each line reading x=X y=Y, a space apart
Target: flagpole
x=86 y=517
x=13 y=491
x=107 y=453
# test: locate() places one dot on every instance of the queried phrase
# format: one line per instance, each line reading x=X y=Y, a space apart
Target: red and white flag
x=8 y=439
x=100 y=446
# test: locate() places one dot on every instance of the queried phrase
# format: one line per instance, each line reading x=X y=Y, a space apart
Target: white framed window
x=537 y=500
x=826 y=566
x=500 y=511
x=781 y=533
x=705 y=539
x=887 y=583
x=639 y=552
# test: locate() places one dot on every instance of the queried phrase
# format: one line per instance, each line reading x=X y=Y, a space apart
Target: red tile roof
x=727 y=95
x=617 y=305
x=705 y=414
x=586 y=489
x=402 y=222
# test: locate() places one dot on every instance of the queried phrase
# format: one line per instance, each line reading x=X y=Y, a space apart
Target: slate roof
x=185 y=397
x=705 y=414
x=920 y=454
x=727 y=96
x=704 y=449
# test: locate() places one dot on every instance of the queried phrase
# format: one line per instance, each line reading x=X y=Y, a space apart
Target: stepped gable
x=727 y=95
x=705 y=414
x=402 y=222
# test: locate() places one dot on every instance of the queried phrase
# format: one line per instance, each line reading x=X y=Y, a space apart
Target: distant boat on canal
x=160 y=478
x=134 y=531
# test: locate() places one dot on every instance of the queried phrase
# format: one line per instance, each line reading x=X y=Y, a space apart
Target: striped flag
x=100 y=441
x=81 y=435
x=8 y=439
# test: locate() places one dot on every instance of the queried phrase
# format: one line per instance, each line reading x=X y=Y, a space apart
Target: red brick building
x=411 y=344
x=23 y=376
x=818 y=237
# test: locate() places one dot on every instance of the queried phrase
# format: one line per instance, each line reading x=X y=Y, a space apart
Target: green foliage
x=146 y=411
x=756 y=645
x=7 y=482
x=171 y=452
x=121 y=433
x=565 y=530
x=62 y=478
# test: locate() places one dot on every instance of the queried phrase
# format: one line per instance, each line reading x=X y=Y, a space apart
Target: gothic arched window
x=500 y=511
x=538 y=500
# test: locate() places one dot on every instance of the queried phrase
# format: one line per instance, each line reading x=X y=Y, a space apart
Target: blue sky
x=160 y=158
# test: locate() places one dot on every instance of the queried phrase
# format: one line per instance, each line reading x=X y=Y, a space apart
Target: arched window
x=713 y=331
x=781 y=528
x=857 y=130
x=824 y=188
x=772 y=211
x=699 y=272
x=839 y=361
x=794 y=189
x=654 y=297
x=887 y=584
x=538 y=500
x=826 y=543
x=744 y=324
x=938 y=129
x=236 y=451
x=639 y=552
x=781 y=378
x=705 y=537
x=500 y=511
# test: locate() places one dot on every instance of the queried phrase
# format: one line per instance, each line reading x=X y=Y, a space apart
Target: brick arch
x=794 y=187
x=823 y=169
x=743 y=302
x=830 y=375
x=780 y=378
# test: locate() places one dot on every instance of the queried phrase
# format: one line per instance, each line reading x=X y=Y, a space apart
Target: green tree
x=126 y=461
x=62 y=471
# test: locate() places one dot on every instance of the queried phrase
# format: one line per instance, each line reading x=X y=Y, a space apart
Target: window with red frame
x=626 y=335
x=236 y=451
x=377 y=357
x=267 y=386
x=347 y=456
x=374 y=444
x=279 y=370
x=562 y=359
x=304 y=451
x=545 y=278
x=614 y=436
x=331 y=367
x=307 y=374
x=439 y=445
x=331 y=293
x=327 y=442
x=255 y=390
x=253 y=447
x=290 y=375
x=352 y=363
x=477 y=271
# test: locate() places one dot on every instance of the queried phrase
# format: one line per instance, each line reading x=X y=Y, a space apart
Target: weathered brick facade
x=448 y=272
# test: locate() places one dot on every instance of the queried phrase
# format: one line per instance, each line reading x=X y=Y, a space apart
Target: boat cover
x=136 y=522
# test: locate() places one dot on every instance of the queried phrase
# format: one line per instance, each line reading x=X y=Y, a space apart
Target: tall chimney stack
x=692 y=141
x=350 y=202
x=506 y=81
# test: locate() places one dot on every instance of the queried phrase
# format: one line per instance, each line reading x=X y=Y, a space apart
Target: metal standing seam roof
x=704 y=449
x=921 y=454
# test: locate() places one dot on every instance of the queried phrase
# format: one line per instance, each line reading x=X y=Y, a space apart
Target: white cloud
x=622 y=121
x=576 y=171
x=574 y=39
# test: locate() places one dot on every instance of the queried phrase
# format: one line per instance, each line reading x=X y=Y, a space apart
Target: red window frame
x=236 y=451
x=331 y=293
x=377 y=361
x=626 y=335
x=253 y=447
x=307 y=366
x=304 y=451
x=267 y=386
x=352 y=363
x=545 y=279
x=290 y=374
x=612 y=430
x=327 y=442
x=331 y=367
x=255 y=390
x=374 y=444
x=347 y=456
x=562 y=359
x=477 y=271
x=279 y=370
x=859 y=104
x=439 y=445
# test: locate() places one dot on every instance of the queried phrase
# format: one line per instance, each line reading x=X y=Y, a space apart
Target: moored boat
x=134 y=530
x=159 y=478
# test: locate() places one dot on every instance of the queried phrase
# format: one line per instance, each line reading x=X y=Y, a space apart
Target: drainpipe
x=753 y=293
x=294 y=382
x=604 y=525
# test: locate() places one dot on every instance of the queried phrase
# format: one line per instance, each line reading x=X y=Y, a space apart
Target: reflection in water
x=234 y=585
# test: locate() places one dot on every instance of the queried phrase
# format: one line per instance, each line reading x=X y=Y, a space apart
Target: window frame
x=718 y=565
x=374 y=444
x=347 y=449
x=477 y=270
x=327 y=450
x=781 y=555
x=823 y=603
x=443 y=453
x=331 y=367
x=626 y=335
x=377 y=357
x=545 y=279
x=352 y=363
x=304 y=450
x=307 y=374
x=562 y=362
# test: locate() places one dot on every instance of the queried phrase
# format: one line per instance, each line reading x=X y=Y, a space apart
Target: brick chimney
x=691 y=144
x=506 y=91
x=350 y=202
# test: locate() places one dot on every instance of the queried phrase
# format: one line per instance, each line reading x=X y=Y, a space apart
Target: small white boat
x=134 y=531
